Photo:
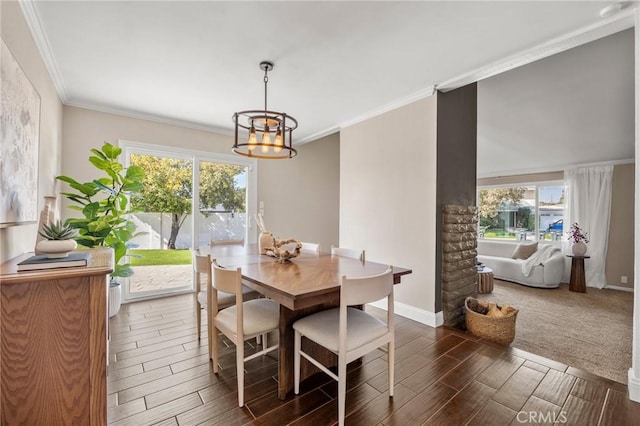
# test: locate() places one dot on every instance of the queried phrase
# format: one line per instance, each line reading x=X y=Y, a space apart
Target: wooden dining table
x=308 y=284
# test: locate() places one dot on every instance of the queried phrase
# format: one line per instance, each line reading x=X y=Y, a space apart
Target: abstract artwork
x=19 y=140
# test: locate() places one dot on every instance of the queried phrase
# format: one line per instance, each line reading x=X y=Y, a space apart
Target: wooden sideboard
x=53 y=332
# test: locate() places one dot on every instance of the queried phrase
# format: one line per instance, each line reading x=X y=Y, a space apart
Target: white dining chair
x=348 y=332
x=236 y=242
x=310 y=247
x=202 y=266
x=346 y=252
x=240 y=322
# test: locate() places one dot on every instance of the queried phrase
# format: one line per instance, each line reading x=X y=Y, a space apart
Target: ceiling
x=195 y=63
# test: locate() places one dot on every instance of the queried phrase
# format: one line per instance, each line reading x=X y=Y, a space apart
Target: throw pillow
x=525 y=250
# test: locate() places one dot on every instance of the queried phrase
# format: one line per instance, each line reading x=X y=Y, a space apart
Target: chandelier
x=267 y=134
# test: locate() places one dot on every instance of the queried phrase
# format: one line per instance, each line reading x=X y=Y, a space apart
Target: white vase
x=579 y=248
x=266 y=240
x=55 y=249
x=47 y=216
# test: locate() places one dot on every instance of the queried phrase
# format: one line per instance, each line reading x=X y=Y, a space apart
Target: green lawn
x=160 y=257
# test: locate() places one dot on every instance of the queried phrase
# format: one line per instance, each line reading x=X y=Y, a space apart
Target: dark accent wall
x=456 y=155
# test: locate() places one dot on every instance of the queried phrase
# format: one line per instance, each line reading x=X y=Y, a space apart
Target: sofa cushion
x=525 y=250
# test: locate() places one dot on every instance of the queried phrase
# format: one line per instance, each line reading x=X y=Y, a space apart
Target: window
x=522 y=212
x=190 y=198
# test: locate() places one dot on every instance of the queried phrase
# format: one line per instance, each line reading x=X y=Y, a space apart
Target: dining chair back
x=346 y=252
x=231 y=242
x=240 y=322
x=348 y=332
x=310 y=247
x=202 y=267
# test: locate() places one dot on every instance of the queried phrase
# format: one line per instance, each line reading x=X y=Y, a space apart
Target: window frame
x=519 y=184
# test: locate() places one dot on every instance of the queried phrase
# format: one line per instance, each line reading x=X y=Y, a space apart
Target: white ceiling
x=195 y=63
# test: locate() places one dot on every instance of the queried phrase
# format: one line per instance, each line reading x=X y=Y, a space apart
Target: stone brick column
x=459 y=275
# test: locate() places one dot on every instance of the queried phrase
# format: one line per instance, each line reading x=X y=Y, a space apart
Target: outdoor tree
x=169 y=189
x=492 y=199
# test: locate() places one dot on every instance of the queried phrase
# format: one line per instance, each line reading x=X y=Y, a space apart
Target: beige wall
x=85 y=129
x=17 y=36
x=388 y=195
x=620 y=253
x=301 y=196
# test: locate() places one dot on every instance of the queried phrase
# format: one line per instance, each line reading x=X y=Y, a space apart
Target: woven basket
x=499 y=330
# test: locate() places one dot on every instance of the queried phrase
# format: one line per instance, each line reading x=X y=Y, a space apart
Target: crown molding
x=33 y=21
x=616 y=23
x=150 y=117
x=318 y=135
x=510 y=173
x=400 y=102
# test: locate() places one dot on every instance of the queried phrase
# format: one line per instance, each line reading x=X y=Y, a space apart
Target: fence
x=218 y=226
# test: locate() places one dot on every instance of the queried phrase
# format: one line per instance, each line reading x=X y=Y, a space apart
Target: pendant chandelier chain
x=266 y=80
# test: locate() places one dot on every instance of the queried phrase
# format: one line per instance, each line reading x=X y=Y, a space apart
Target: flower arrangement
x=576 y=234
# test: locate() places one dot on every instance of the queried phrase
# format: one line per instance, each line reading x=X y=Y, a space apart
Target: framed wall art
x=19 y=141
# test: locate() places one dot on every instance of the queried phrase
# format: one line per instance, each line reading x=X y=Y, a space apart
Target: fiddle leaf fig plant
x=104 y=204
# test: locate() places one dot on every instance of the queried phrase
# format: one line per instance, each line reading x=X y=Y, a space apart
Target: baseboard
x=634 y=386
x=620 y=288
x=411 y=312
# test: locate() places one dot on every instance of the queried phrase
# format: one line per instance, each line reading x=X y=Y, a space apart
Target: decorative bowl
x=282 y=250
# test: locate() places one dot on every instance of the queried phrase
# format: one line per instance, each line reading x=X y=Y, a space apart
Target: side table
x=485 y=280
x=577 y=281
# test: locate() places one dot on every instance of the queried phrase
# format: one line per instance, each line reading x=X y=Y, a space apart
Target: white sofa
x=497 y=256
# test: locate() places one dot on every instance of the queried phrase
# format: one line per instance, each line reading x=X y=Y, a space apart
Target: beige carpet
x=591 y=331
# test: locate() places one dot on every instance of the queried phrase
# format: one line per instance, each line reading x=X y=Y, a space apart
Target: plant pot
x=55 y=249
x=115 y=298
x=579 y=248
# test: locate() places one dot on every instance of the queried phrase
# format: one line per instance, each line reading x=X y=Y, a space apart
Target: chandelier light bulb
x=278 y=143
x=253 y=141
x=266 y=139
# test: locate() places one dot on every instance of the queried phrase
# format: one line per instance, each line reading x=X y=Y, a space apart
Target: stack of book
x=35 y=263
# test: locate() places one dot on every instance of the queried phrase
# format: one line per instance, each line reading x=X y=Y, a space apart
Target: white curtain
x=588 y=203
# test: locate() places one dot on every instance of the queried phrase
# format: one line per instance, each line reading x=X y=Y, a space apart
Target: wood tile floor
x=159 y=373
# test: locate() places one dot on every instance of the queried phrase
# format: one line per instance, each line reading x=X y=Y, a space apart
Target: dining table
x=307 y=284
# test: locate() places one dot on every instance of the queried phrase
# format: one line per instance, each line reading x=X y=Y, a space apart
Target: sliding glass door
x=222 y=213
x=189 y=199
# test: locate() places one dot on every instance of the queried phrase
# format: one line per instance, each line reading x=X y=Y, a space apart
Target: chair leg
x=342 y=389
x=198 y=318
x=391 y=356
x=265 y=344
x=240 y=368
x=210 y=331
x=258 y=339
x=296 y=362
x=214 y=347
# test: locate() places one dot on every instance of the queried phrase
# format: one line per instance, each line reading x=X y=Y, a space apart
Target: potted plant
x=580 y=240
x=58 y=240
x=104 y=204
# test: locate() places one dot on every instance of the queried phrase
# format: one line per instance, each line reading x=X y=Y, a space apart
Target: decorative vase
x=47 y=216
x=266 y=240
x=579 y=248
x=55 y=249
